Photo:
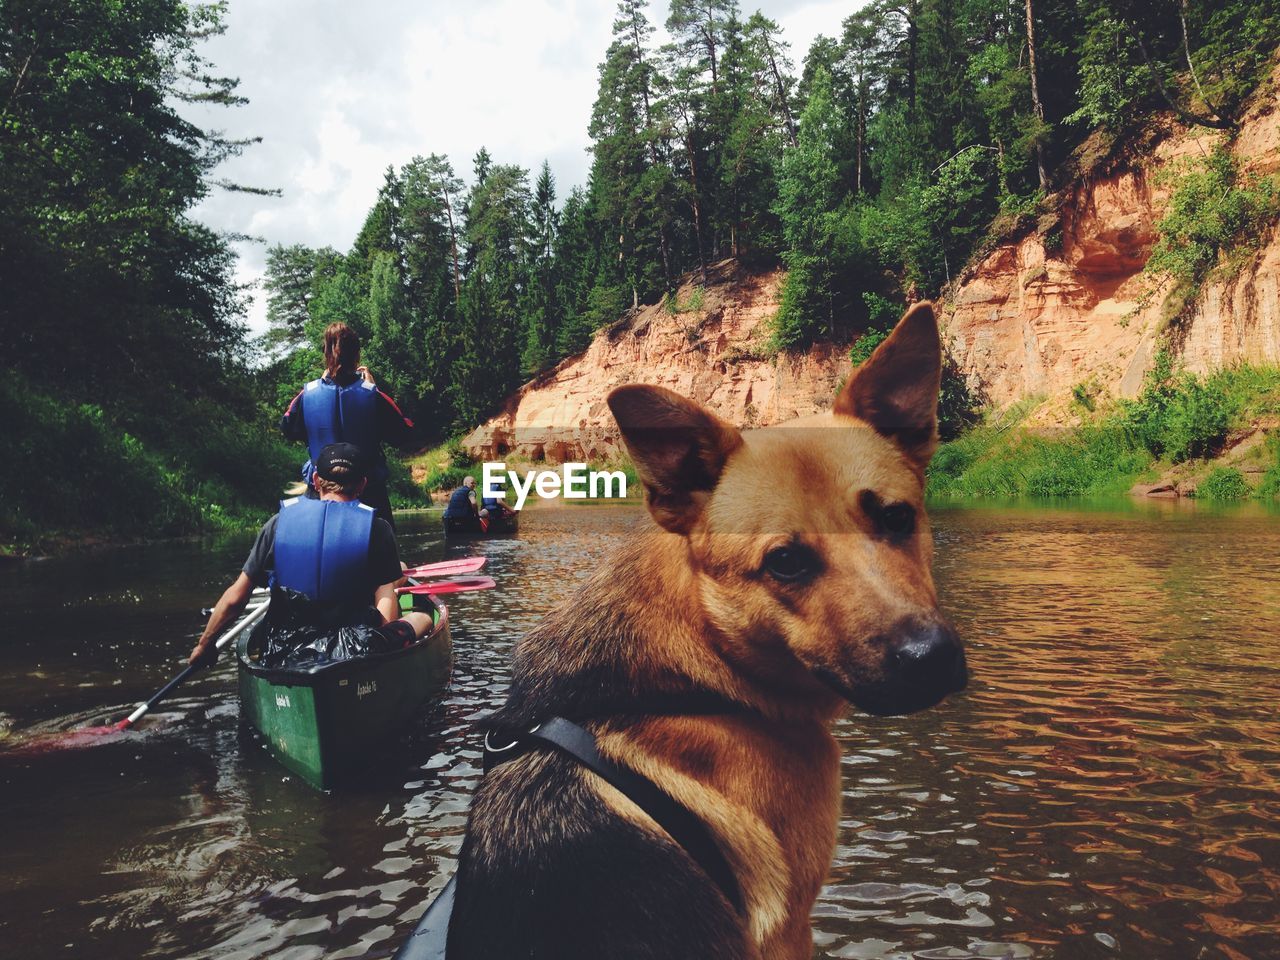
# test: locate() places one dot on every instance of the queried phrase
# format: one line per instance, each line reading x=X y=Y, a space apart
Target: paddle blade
x=447 y=568
x=451 y=586
x=63 y=740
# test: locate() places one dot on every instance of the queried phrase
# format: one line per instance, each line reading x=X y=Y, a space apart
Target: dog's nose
x=929 y=657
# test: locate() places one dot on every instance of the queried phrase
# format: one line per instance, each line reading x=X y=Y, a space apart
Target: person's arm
x=388 y=604
x=291 y=424
x=387 y=571
x=228 y=609
x=393 y=426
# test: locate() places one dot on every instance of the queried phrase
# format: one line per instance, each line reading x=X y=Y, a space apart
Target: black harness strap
x=685 y=828
x=429 y=937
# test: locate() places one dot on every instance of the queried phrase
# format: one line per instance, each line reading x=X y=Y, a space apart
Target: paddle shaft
x=447 y=567
x=253 y=617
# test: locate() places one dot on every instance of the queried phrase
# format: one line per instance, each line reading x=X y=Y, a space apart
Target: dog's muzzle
x=923 y=662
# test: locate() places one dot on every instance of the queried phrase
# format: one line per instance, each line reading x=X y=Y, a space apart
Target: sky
x=340 y=90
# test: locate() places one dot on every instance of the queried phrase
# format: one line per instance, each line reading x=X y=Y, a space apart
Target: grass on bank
x=1178 y=418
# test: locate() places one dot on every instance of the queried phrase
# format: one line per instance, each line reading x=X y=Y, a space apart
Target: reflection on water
x=1106 y=787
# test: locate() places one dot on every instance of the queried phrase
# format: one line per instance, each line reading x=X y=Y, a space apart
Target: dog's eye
x=898 y=519
x=790 y=563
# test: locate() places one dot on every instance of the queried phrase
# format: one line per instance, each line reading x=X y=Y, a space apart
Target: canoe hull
x=326 y=724
x=469 y=528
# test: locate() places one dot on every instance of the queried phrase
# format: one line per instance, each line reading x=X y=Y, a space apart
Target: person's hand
x=205 y=656
x=364 y=372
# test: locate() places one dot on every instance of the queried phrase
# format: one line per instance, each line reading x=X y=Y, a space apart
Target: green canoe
x=327 y=722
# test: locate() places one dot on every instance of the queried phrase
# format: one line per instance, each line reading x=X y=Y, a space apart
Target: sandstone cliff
x=1064 y=305
x=1059 y=306
x=714 y=354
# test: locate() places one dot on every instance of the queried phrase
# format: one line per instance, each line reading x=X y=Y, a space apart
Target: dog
x=788 y=573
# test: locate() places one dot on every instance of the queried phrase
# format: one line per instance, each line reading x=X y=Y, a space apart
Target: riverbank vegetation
x=1179 y=422
x=131 y=405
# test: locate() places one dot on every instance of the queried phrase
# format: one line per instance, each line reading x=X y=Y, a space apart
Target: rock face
x=1069 y=304
x=714 y=355
x=1066 y=304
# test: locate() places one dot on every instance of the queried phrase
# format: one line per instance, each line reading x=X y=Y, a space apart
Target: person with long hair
x=346 y=406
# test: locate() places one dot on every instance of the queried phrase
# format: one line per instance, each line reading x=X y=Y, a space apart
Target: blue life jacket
x=335 y=414
x=322 y=550
x=460 y=504
x=490 y=503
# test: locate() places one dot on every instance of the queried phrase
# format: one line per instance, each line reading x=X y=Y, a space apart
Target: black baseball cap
x=342 y=463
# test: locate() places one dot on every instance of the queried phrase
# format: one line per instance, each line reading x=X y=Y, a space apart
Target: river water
x=1109 y=786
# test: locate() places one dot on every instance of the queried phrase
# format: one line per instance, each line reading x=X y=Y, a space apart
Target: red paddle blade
x=62 y=740
x=447 y=568
x=451 y=586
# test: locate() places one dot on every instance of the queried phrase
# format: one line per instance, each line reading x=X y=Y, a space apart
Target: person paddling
x=462 y=507
x=346 y=406
x=332 y=566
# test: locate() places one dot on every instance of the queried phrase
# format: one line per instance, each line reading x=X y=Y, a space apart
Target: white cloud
x=340 y=91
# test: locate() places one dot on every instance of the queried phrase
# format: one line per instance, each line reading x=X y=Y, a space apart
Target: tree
x=1037 y=107
x=103 y=274
x=811 y=193
x=497 y=239
x=577 y=266
x=289 y=282
x=542 y=311
x=625 y=148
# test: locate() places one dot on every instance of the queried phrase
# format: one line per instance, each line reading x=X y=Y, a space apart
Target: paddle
x=80 y=736
x=254 y=615
x=450 y=586
x=447 y=568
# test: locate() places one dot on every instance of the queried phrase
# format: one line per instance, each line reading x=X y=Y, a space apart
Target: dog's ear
x=679 y=448
x=896 y=389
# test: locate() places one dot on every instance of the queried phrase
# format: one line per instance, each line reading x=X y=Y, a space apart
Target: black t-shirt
x=384 y=557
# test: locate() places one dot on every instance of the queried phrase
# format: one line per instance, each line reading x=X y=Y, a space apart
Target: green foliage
x=1223 y=483
x=445 y=466
x=866 y=344
x=404 y=493
x=93 y=473
x=1177 y=417
x=1214 y=210
x=691 y=304
x=989 y=463
x=1269 y=489
x=457 y=453
x=127 y=379
x=1114 y=83
x=959 y=405
x=1083 y=396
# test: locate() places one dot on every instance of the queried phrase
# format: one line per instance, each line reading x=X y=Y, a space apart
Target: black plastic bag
x=297 y=633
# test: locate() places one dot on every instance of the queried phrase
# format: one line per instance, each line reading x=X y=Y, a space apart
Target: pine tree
x=289 y=283
x=541 y=307
x=496 y=232
x=628 y=195
x=577 y=266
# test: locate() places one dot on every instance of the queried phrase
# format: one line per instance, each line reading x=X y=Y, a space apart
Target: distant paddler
x=346 y=406
x=332 y=566
x=462 y=506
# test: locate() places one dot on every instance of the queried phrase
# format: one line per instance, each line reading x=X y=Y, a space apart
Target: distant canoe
x=506 y=526
x=327 y=722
